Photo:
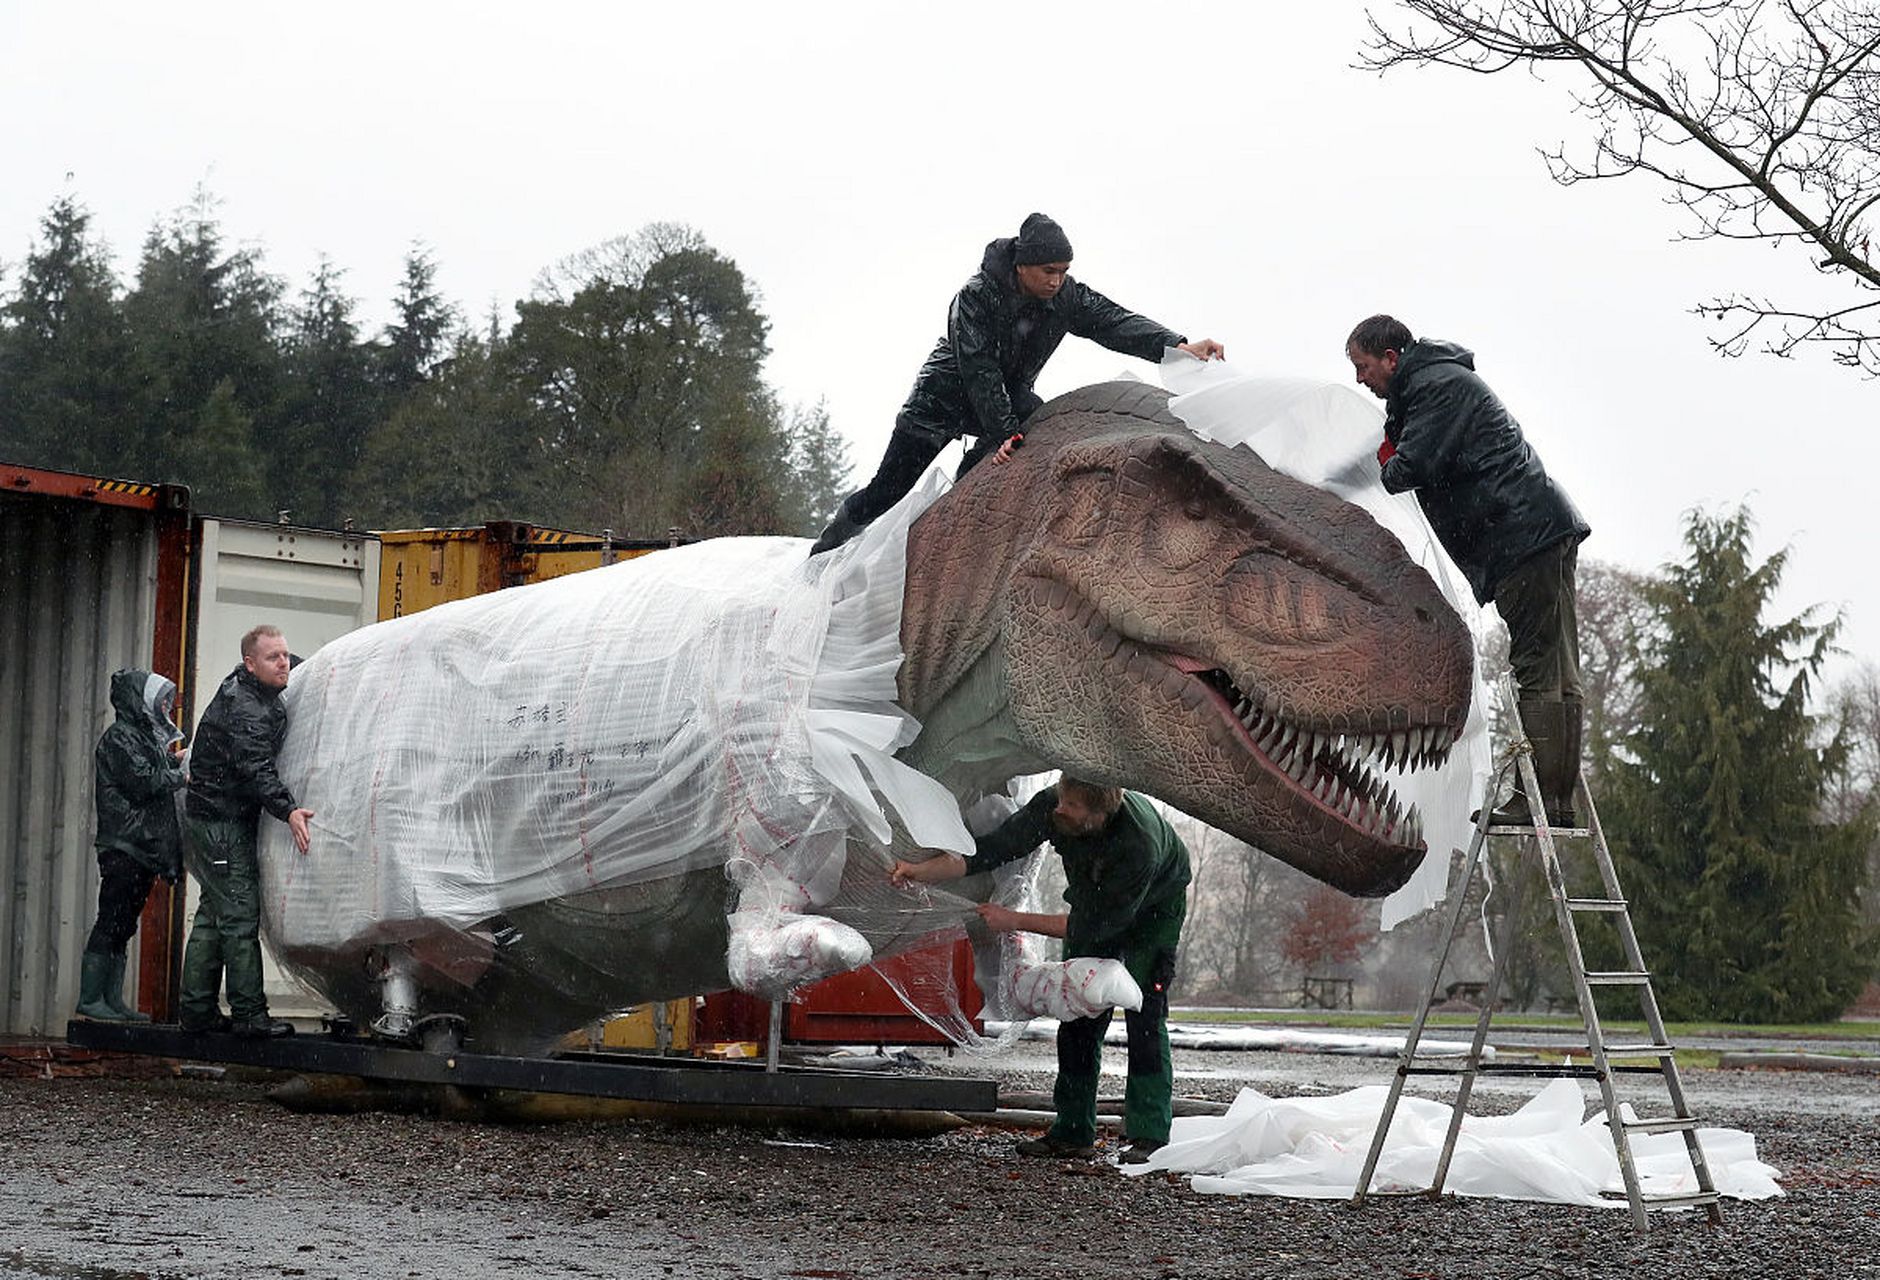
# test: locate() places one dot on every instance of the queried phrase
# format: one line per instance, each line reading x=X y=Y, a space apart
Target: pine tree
x=819 y=466
x=457 y=449
x=1744 y=894
x=220 y=451
x=66 y=381
x=330 y=404
x=201 y=315
x=420 y=335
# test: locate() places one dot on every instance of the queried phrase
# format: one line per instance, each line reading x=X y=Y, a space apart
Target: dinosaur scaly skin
x=1134 y=605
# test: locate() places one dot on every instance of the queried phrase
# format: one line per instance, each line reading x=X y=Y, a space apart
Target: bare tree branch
x=1761 y=118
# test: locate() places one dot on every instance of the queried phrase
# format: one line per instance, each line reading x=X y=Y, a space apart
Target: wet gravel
x=188 y=1177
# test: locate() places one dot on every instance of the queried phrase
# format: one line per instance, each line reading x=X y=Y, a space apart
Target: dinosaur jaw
x=1338 y=772
x=1306 y=785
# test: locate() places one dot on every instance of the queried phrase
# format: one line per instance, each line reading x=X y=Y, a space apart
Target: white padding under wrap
x=1081 y=987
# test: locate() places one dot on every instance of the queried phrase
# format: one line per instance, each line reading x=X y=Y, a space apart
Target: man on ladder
x=1516 y=536
x=1507 y=525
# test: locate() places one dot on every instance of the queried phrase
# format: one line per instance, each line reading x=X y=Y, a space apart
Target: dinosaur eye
x=1179 y=533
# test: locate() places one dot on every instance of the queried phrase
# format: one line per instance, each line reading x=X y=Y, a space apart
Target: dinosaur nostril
x=1423 y=615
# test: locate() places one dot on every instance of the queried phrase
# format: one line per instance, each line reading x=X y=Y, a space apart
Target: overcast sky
x=1220 y=168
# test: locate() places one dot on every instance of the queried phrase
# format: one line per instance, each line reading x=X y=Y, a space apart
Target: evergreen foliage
x=1745 y=894
x=627 y=392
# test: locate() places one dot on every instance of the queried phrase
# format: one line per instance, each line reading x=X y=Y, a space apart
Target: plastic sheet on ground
x=1326 y=434
x=1549 y=1150
x=1202 y=1035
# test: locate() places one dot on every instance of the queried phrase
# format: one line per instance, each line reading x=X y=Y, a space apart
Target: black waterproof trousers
x=911 y=450
x=123 y=886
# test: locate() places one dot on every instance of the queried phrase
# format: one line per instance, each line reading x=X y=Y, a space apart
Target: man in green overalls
x=1127 y=886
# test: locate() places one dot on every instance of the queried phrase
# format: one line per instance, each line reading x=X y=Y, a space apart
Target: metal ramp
x=1655 y=1056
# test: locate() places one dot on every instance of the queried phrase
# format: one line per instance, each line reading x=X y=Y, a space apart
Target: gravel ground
x=185 y=1177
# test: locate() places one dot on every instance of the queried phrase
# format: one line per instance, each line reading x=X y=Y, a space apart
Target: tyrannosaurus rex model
x=692 y=770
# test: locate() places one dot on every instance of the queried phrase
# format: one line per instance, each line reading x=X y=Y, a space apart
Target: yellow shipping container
x=419 y=568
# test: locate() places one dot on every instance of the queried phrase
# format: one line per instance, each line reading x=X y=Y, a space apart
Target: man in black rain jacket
x=136 y=778
x=232 y=780
x=1001 y=329
x=1513 y=532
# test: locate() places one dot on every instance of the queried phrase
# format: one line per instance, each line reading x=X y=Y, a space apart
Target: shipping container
x=315 y=585
x=425 y=567
x=862 y=1007
x=93 y=578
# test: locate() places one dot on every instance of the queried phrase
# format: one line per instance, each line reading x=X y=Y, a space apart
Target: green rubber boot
x=93 y=974
x=114 y=993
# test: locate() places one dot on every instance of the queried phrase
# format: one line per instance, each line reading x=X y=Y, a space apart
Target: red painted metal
x=160 y=953
x=859 y=1007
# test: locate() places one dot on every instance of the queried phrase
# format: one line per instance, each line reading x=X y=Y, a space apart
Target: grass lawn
x=1511 y=1021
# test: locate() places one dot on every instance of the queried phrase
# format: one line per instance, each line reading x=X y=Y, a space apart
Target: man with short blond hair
x=1126 y=874
x=232 y=780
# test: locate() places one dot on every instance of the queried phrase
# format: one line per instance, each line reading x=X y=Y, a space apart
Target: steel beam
x=643 y=1078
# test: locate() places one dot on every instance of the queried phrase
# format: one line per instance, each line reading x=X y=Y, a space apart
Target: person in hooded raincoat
x=136 y=777
x=1002 y=327
x=1126 y=877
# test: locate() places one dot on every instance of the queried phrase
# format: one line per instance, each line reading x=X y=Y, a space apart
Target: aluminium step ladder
x=1607 y=1060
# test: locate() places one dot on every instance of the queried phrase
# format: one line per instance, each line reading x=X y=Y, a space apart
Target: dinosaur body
x=1122 y=600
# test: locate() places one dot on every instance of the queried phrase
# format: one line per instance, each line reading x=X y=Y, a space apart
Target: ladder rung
x=1586 y=1050
x=1619 y=978
x=1678 y=1201
x=1559 y=833
x=1543 y=1070
x=1661 y=1124
x=1596 y=904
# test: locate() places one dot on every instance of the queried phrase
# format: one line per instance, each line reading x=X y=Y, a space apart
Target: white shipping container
x=315 y=585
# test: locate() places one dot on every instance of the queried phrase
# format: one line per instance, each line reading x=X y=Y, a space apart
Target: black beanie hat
x=1040 y=240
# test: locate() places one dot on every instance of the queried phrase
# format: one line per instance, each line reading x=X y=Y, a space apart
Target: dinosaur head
x=1174 y=616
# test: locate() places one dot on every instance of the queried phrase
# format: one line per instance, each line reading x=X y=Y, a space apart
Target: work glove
x=1386 y=451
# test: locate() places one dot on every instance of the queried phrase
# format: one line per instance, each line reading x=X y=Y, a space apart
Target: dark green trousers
x=1151 y=1084
x=225 y=939
x=1538 y=603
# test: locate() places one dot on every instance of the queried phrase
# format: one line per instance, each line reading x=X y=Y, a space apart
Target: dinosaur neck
x=953 y=672
x=968 y=739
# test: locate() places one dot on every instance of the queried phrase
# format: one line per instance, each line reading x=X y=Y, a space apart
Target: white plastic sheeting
x=1230 y=1038
x=1549 y=1150
x=1327 y=435
x=729 y=704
